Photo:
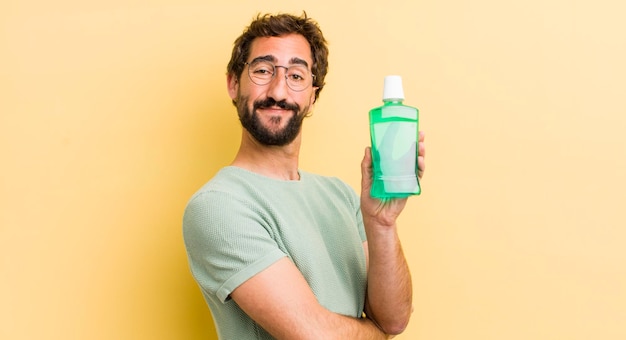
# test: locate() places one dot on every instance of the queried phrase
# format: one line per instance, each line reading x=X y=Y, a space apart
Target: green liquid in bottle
x=394 y=137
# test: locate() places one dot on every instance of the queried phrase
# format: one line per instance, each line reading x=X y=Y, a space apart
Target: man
x=279 y=252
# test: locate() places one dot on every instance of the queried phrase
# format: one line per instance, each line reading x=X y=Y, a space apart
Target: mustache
x=270 y=102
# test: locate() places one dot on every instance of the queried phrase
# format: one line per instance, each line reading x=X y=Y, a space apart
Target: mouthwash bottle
x=394 y=136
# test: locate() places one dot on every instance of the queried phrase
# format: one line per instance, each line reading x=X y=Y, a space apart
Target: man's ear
x=233 y=86
x=312 y=101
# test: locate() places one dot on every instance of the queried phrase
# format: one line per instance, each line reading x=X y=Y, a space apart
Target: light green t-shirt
x=241 y=222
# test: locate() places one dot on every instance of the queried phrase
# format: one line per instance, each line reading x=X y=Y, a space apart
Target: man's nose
x=278 y=88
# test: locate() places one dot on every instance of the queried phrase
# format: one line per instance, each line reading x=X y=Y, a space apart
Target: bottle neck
x=390 y=101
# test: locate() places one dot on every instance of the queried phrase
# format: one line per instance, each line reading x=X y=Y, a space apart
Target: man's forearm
x=346 y=327
x=320 y=323
x=389 y=288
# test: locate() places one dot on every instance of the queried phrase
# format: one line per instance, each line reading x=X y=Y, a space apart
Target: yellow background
x=114 y=112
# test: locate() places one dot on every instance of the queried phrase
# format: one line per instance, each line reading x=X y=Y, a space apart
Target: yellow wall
x=112 y=113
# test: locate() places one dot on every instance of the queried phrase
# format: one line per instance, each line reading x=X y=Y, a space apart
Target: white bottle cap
x=393 y=88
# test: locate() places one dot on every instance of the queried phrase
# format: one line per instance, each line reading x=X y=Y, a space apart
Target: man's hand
x=384 y=212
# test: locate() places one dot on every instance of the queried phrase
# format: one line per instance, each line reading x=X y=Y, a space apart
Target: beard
x=266 y=135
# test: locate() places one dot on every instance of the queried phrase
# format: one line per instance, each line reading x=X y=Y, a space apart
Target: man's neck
x=280 y=162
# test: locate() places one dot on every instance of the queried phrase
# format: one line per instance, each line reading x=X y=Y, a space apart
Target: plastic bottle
x=394 y=136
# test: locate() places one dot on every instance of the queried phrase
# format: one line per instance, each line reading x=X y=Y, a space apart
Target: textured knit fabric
x=241 y=222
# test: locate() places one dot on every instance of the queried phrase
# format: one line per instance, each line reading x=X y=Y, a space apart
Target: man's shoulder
x=222 y=183
x=325 y=180
x=224 y=179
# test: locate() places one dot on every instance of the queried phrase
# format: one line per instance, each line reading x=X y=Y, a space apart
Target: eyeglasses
x=298 y=77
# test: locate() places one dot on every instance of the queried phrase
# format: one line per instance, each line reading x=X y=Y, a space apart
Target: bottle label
x=396 y=152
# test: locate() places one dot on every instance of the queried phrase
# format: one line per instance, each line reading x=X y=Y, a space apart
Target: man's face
x=273 y=113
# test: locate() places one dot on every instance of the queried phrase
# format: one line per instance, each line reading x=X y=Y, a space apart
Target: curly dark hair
x=270 y=25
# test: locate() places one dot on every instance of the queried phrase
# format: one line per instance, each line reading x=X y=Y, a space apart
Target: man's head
x=279 y=25
x=275 y=75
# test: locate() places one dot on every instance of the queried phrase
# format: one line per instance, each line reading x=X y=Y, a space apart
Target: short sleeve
x=227 y=242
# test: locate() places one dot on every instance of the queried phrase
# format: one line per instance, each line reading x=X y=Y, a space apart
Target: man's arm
x=389 y=288
x=281 y=301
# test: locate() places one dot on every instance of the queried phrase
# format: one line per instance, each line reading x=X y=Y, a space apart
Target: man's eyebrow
x=272 y=59
x=268 y=57
x=296 y=60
